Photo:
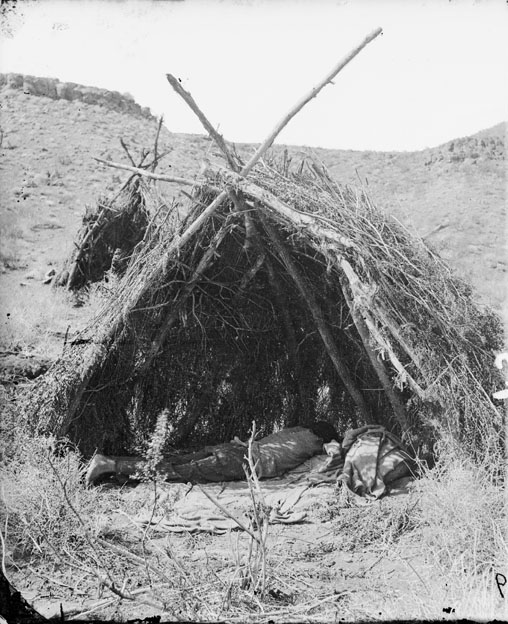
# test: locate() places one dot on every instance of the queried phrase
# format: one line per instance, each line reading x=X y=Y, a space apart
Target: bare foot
x=99 y=466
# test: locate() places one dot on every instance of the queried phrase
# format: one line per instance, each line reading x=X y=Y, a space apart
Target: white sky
x=439 y=70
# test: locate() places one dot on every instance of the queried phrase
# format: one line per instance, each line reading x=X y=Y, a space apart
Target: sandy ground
x=321 y=568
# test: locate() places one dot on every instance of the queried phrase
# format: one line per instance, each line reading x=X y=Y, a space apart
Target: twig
x=139 y=560
x=156 y=144
x=148 y=174
x=52 y=580
x=109 y=601
x=147 y=528
x=144 y=154
x=4 y=570
x=261 y=515
x=155 y=161
x=228 y=513
x=122 y=143
x=110 y=582
x=99 y=605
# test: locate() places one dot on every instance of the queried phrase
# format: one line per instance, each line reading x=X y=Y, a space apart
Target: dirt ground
x=321 y=569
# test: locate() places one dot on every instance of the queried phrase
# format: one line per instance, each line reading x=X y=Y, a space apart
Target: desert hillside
x=453 y=194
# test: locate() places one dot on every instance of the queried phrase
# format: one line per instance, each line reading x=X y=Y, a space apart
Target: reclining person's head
x=325 y=431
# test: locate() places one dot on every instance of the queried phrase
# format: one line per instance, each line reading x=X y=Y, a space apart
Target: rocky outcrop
x=468 y=150
x=56 y=90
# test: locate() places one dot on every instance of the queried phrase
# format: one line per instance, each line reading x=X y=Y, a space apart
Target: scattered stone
x=33 y=275
x=48 y=277
x=40 y=179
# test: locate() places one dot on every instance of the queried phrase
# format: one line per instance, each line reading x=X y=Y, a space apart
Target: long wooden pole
x=395 y=401
x=218 y=138
x=315 y=90
x=318 y=316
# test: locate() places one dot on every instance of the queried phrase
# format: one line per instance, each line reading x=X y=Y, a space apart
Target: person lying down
x=274 y=455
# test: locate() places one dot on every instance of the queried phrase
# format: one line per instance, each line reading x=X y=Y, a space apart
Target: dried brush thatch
x=296 y=299
x=107 y=238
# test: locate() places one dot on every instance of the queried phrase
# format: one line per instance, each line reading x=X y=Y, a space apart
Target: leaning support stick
x=313 y=93
x=218 y=138
x=319 y=320
x=396 y=403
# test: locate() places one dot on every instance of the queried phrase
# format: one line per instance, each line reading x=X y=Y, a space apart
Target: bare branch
x=156 y=144
x=147 y=174
x=218 y=138
x=307 y=98
x=126 y=149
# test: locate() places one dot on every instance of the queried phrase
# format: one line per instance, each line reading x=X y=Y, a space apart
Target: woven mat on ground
x=289 y=499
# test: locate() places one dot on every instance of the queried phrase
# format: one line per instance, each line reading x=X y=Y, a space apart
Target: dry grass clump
x=12 y=236
x=459 y=526
x=36 y=514
x=461 y=516
x=53 y=528
x=377 y=524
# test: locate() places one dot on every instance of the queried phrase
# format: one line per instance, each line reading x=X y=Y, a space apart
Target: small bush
x=38 y=517
x=459 y=516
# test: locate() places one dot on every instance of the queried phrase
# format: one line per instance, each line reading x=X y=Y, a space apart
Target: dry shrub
x=39 y=520
x=460 y=528
x=460 y=516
